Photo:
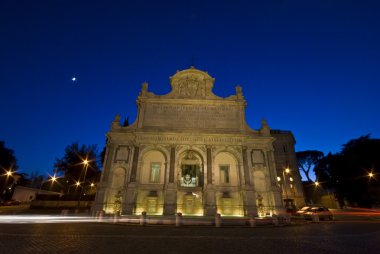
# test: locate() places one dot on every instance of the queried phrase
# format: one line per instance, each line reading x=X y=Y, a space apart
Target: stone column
x=103 y=185
x=209 y=192
x=134 y=164
x=108 y=161
x=209 y=166
x=172 y=165
x=129 y=197
x=247 y=179
x=277 y=195
x=250 y=193
x=171 y=190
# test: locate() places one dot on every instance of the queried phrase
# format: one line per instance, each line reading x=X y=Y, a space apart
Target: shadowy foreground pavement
x=96 y=237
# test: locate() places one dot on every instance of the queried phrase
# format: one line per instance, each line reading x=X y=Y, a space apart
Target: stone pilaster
x=170 y=199
x=129 y=200
x=134 y=164
x=108 y=162
x=247 y=179
x=172 y=164
x=209 y=193
x=209 y=166
x=277 y=196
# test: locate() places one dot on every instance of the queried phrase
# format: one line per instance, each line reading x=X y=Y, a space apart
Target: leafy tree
x=8 y=159
x=348 y=171
x=8 y=162
x=74 y=168
x=307 y=161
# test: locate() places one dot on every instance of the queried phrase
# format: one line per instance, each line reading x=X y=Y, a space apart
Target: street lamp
x=316 y=183
x=85 y=163
x=370 y=174
x=53 y=178
x=8 y=173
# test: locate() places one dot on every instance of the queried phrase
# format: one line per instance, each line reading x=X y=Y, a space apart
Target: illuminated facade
x=190 y=151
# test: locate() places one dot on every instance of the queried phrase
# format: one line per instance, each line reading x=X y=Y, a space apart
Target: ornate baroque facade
x=190 y=151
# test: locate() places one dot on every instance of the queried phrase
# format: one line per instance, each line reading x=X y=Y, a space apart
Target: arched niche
x=190 y=169
x=152 y=169
x=226 y=169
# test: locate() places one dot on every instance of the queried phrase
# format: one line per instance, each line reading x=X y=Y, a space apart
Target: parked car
x=322 y=212
x=301 y=212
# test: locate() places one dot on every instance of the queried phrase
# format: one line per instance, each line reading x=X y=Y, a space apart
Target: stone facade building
x=190 y=151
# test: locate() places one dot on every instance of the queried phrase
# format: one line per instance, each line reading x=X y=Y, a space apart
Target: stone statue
x=239 y=92
x=265 y=130
x=116 y=122
x=144 y=89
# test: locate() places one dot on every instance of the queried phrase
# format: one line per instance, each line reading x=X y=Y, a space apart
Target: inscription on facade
x=192 y=116
x=192 y=139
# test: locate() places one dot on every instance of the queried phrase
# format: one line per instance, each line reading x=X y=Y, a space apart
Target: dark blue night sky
x=311 y=67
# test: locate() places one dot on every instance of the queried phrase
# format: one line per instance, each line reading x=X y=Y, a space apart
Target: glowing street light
x=9 y=173
x=316 y=183
x=77 y=183
x=92 y=185
x=53 y=178
x=370 y=175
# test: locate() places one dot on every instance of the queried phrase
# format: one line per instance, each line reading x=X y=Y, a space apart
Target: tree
x=8 y=159
x=74 y=167
x=8 y=163
x=307 y=161
x=348 y=172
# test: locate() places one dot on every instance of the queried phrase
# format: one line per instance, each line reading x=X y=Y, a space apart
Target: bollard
x=218 y=220
x=64 y=212
x=275 y=220
x=116 y=217
x=101 y=214
x=143 y=219
x=252 y=222
x=178 y=219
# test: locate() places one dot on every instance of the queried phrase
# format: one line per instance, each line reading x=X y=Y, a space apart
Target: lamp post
x=8 y=173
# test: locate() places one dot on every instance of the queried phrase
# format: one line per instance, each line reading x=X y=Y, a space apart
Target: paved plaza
x=96 y=237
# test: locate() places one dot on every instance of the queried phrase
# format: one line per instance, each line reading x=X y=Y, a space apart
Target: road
x=96 y=237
